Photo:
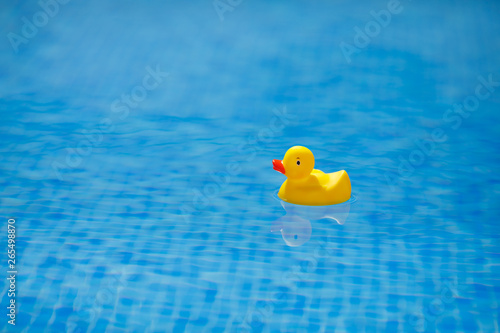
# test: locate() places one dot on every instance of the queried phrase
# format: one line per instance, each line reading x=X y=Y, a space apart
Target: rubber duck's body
x=308 y=186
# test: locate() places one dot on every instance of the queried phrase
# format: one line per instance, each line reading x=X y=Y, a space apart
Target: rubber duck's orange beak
x=278 y=166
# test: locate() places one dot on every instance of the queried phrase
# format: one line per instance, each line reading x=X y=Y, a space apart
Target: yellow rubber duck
x=308 y=186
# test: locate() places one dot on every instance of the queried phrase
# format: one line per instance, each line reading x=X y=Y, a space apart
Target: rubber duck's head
x=298 y=163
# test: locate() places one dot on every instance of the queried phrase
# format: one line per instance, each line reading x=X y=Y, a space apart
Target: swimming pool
x=137 y=142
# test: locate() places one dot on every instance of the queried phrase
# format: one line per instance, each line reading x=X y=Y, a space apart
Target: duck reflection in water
x=295 y=226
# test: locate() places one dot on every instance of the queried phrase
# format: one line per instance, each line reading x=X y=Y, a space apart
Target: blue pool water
x=136 y=144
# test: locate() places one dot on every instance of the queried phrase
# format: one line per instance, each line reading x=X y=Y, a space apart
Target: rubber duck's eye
x=298 y=162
